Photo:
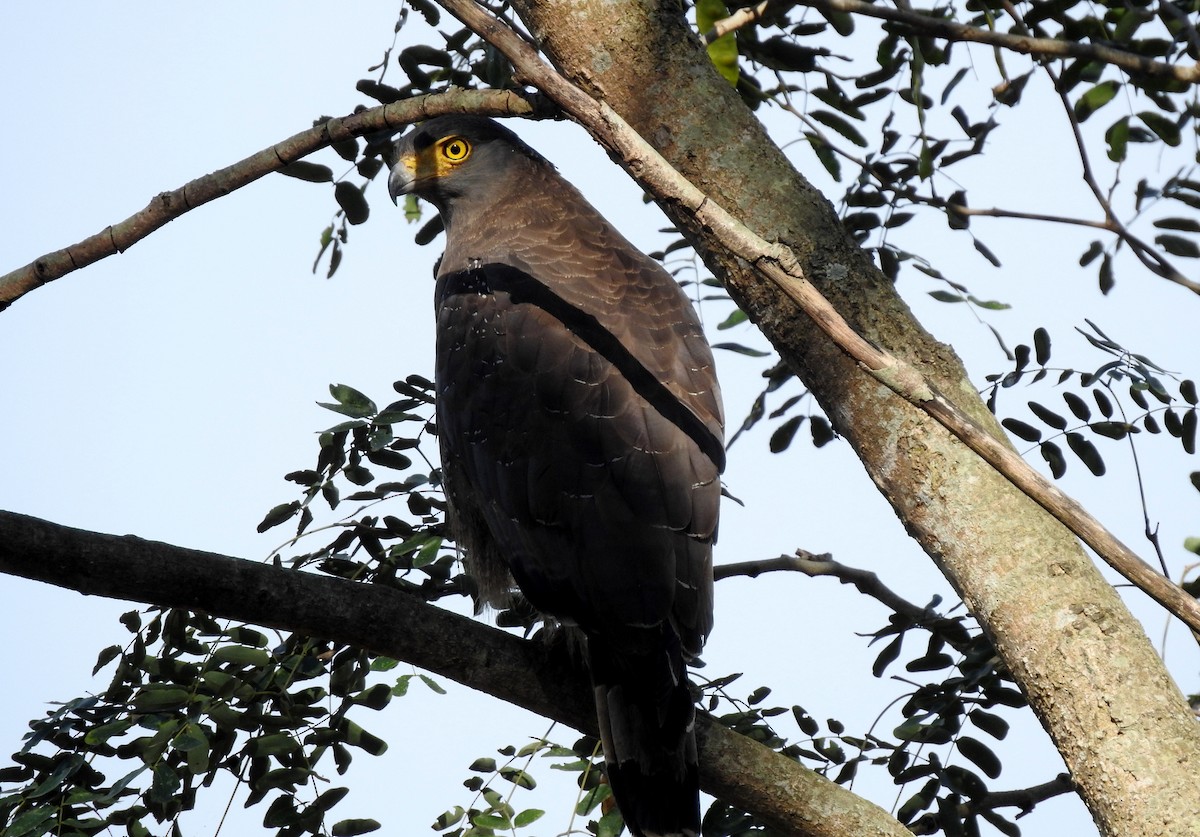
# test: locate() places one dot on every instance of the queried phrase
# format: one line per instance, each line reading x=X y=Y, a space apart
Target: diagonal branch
x=780 y=266
x=785 y=795
x=168 y=206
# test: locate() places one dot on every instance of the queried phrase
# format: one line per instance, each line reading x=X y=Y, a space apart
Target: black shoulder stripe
x=524 y=289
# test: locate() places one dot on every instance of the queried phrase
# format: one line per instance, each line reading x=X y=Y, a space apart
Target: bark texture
x=1085 y=664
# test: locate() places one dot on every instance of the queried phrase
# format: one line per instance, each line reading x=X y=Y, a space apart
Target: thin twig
x=865 y=581
x=1025 y=44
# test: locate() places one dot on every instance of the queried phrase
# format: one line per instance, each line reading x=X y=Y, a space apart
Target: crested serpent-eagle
x=581 y=433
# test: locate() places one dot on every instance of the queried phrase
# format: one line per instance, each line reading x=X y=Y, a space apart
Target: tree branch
x=865 y=581
x=784 y=794
x=168 y=206
x=1023 y=798
x=735 y=21
x=1025 y=44
x=779 y=265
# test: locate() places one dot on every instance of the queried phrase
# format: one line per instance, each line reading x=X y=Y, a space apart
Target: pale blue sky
x=165 y=392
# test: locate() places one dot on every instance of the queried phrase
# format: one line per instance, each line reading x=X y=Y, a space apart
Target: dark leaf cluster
x=191 y=699
x=1128 y=394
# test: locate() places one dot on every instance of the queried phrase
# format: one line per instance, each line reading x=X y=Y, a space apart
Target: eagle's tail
x=647 y=720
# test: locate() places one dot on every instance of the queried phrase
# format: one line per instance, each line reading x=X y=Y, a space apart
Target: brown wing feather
x=597 y=500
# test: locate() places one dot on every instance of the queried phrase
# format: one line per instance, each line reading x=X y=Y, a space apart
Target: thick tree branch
x=784 y=794
x=780 y=265
x=168 y=206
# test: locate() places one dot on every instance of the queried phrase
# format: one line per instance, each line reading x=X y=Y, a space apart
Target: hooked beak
x=402 y=177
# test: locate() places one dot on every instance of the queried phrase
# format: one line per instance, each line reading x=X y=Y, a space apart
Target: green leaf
x=592 y=798
x=1112 y=429
x=825 y=155
x=1188 y=390
x=1093 y=251
x=164 y=785
x=279 y=514
x=947 y=296
x=518 y=777
x=783 y=434
x=1087 y=453
x=432 y=684
x=527 y=817
x=483 y=765
x=980 y=755
x=723 y=51
x=822 y=432
x=887 y=656
x=449 y=818
x=1177 y=245
x=610 y=824
x=348 y=828
x=495 y=822
x=311 y=172
x=1041 y=346
x=993 y=725
x=241 y=655
x=1022 y=430
x=1181 y=224
x=356 y=736
x=31 y=822
x=1166 y=129
x=740 y=349
x=384 y=664
x=106 y=656
x=350 y=402
x=1048 y=416
x=157 y=697
x=102 y=733
x=1078 y=406
x=1053 y=455
x=1096 y=98
x=841 y=125
x=272 y=745
x=736 y=317
x=61 y=772
x=1117 y=137
x=1189 y=431
x=350 y=198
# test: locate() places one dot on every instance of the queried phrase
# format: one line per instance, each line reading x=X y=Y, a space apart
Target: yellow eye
x=456 y=149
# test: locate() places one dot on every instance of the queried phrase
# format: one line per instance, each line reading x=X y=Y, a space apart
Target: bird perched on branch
x=581 y=431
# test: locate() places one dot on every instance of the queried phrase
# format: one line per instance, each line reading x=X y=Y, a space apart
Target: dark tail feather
x=647 y=720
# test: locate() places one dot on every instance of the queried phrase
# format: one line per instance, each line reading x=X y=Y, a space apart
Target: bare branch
x=789 y=797
x=740 y=18
x=1023 y=798
x=865 y=581
x=779 y=265
x=168 y=206
x=1025 y=44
